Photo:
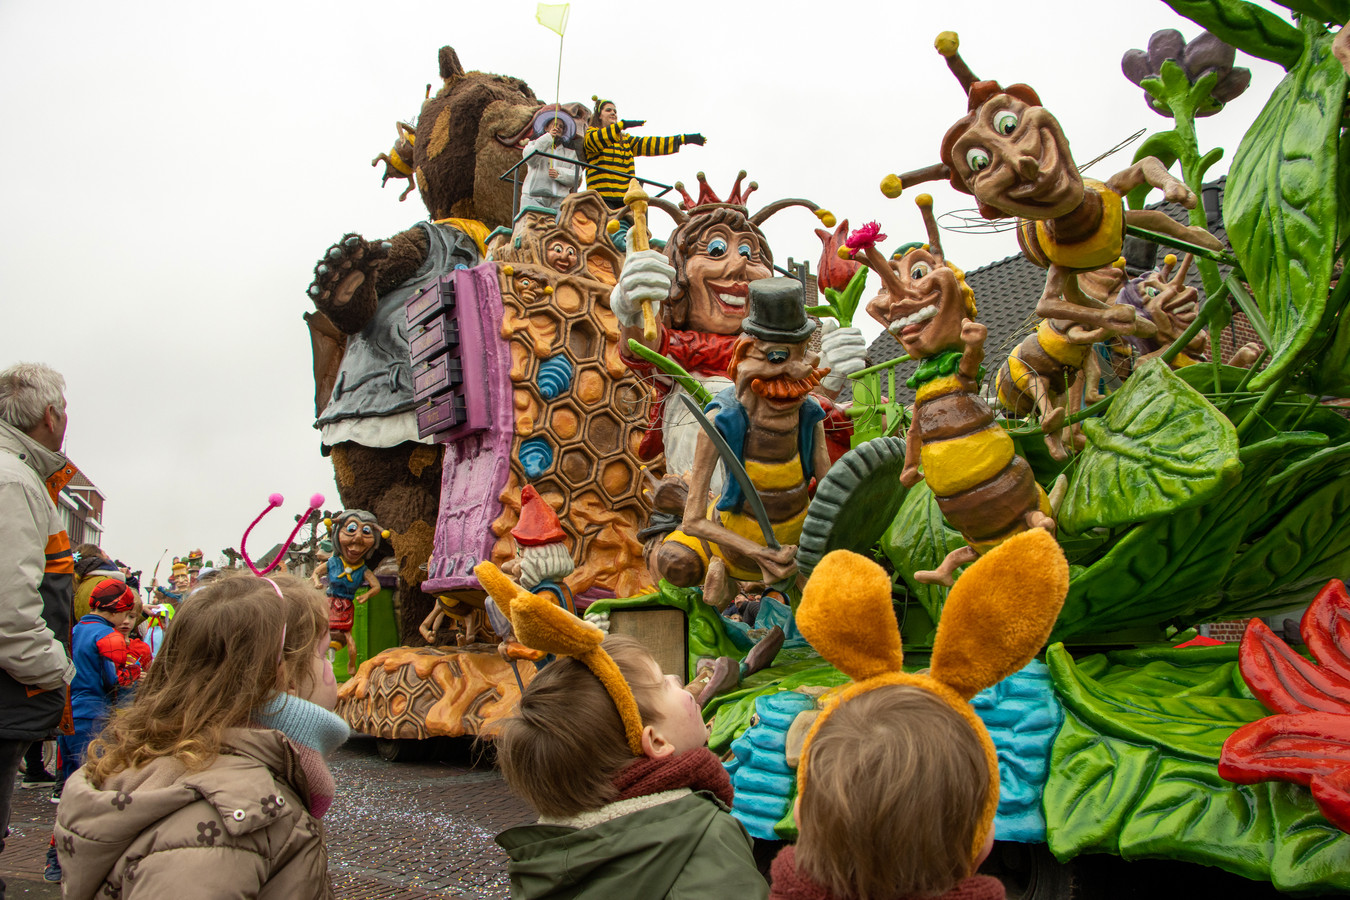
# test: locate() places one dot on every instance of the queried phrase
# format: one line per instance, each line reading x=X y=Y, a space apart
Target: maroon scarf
x=698 y=770
x=790 y=884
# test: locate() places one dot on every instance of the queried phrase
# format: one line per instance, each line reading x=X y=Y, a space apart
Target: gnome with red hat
x=542 y=562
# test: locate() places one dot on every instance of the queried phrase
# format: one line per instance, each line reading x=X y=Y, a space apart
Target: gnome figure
x=542 y=562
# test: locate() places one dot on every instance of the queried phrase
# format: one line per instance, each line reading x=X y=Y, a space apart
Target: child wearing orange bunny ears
x=925 y=819
x=614 y=757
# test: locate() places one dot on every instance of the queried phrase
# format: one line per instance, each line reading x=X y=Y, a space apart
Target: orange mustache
x=784 y=388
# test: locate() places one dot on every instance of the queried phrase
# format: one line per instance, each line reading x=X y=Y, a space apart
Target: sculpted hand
x=776 y=564
x=843 y=351
x=973 y=332
x=646 y=275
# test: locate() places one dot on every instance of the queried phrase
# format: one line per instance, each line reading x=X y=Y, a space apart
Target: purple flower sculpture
x=1196 y=61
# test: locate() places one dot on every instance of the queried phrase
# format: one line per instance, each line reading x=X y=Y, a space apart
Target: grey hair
x=26 y=390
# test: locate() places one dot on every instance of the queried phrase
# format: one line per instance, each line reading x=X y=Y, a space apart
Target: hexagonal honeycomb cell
x=583 y=340
x=617 y=479
x=568 y=299
x=589 y=387
x=577 y=467
x=564 y=422
x=604 y=433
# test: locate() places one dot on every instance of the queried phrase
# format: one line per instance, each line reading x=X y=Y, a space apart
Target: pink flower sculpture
x=865 y=238
x=1308 y=740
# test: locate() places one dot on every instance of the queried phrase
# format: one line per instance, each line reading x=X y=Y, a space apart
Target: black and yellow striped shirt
x=612 y=148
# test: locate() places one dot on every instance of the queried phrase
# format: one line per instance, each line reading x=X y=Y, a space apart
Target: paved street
x=414 y=830
x=397 y=831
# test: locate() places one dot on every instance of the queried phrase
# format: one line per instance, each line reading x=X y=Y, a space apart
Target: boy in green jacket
x=614 y=757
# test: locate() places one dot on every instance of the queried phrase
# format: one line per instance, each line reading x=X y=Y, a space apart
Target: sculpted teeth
x=731 y=299
x=922 y=315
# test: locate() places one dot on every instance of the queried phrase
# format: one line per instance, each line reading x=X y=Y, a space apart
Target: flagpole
x=557 y=88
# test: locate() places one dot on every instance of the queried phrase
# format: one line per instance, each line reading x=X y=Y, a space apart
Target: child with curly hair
x=212 y=783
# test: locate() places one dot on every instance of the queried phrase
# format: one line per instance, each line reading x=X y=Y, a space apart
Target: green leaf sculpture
x=1247 y=27
x=1134 y=772
x=1169 y=568
x=1280 y=203
x=1161 y=448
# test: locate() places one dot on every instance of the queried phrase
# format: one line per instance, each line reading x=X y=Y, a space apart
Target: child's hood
x=98 y=827
x=691 y=840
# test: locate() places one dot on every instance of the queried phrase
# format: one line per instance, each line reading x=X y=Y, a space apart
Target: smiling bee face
x=1013 y=156
x=926 y=312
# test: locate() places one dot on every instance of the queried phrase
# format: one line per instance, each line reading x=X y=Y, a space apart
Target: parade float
x=1197 y=489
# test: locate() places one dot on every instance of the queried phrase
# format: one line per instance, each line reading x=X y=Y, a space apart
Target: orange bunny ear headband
x=996 y=618
x=541 y=624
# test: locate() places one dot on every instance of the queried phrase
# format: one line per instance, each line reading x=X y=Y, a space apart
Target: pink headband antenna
x=274 y=501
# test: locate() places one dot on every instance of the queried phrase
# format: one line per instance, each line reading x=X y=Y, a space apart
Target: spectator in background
x=36 y=568
x=92 y=566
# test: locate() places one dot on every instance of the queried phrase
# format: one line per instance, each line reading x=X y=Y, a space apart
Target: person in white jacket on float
x=548 y=181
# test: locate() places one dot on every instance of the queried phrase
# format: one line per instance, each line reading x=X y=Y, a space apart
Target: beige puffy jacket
x=239 y=828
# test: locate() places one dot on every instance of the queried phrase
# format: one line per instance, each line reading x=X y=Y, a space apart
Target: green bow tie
x=944 y=363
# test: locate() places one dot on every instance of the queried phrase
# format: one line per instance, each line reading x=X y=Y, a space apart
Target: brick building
x=81 y=505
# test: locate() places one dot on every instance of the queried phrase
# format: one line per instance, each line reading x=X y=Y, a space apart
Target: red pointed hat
x=538 y=523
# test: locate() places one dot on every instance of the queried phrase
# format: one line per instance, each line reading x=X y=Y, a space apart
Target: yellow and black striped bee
x=984 y=489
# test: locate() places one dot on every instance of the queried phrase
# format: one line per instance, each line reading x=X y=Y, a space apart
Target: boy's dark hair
x=897 y=785
x=563 y=747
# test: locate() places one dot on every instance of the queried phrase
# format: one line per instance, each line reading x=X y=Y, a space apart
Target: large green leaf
x=1321 y=10
x=1166 y=569
x=1309 y=545
x=1247 y=27
x=1162 y=447
x=1168 y=671
x=919 y=538
x=1280 y=203
x=1182 y=724
x=1118 y=785
x=1091 y=790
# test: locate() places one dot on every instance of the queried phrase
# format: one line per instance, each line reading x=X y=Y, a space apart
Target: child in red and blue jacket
x=99 y=651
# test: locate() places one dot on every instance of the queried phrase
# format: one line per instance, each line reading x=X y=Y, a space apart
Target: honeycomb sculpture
x=414 y=693
x=581 y=444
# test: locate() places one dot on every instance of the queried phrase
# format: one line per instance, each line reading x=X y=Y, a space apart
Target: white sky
x=171 y=171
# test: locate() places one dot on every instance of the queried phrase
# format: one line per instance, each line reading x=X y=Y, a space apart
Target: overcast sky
x=170 y=172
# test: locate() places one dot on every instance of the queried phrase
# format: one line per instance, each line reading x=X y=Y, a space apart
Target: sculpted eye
x=1150 y=292
x=746 y=250
x=365 y=530
x=977 y=158
x=1005 y=122
x=777 y=355
x=717 y=248
x=919 y=270
x=351 y=528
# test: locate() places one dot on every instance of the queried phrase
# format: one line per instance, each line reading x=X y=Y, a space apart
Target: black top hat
x=778 y=311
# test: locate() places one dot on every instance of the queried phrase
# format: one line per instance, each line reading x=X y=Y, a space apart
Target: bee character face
x=926 y=317
x=1013 y=157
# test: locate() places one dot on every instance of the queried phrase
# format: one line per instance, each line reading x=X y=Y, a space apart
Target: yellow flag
x=553 y=16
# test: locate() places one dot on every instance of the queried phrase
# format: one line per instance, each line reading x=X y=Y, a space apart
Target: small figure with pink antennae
x=358 y=536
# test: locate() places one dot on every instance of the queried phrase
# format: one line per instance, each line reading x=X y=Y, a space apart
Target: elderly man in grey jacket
x=36 y=568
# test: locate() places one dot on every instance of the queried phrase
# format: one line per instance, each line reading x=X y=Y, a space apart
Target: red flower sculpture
x=1308 y=741
x=834 y=272
x=865 y=237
